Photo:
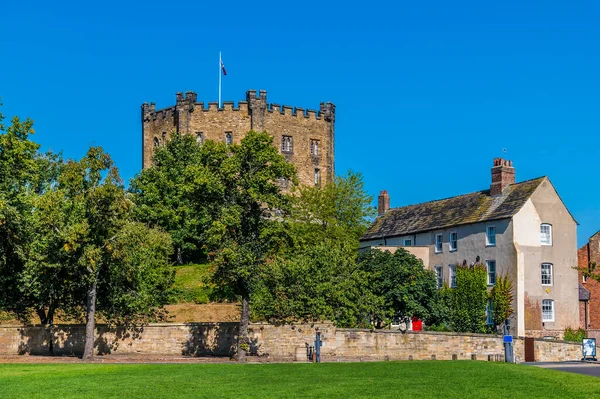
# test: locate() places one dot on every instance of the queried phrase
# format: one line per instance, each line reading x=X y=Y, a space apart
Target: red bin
x=417 y=325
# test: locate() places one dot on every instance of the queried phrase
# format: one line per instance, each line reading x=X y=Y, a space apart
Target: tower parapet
x=310 y=131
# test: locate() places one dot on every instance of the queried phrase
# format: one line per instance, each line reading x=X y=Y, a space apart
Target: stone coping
x=194 y=323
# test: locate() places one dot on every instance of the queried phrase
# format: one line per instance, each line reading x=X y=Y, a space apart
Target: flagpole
x=220 y=63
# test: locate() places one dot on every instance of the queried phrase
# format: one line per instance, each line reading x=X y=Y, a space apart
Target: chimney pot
x=383 y=202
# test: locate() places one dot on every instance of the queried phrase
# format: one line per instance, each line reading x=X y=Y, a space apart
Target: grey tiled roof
x=584 y=294
x=454 y=211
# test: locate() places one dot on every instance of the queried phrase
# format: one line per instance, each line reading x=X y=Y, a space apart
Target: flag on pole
x=223 y=68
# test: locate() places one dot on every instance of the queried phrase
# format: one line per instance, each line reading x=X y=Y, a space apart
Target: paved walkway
x=586 y=368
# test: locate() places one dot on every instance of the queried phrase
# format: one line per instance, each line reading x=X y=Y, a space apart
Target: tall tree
x=24 y=174
x=317 y=277
x=241 y=234
x=87 y=245
x=340 y=210
x=176 y=192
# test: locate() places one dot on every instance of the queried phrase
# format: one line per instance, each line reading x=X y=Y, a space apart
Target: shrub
x=574 y=335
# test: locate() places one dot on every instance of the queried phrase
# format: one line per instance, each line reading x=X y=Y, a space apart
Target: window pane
x=547 y=310
x=491 y=235
x=546 y=274
x=491 y=266
x=546 y=234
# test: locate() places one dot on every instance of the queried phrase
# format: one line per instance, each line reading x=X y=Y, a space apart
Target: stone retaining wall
x=276 y=343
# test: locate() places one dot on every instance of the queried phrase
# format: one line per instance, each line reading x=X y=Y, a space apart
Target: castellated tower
x=305 y=138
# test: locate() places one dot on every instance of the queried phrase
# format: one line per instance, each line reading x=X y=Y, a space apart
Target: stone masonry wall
x=276 y=343
x=214 y=123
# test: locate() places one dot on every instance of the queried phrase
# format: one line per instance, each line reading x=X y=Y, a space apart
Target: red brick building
x=589 y=311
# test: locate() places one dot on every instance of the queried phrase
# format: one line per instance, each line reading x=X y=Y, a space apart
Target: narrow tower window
x=228 y=138
x=199 y=138
x=314 y=148
x=286 y=144
x=317 y=177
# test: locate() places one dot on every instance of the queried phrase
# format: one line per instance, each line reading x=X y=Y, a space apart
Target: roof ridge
x=464 y=195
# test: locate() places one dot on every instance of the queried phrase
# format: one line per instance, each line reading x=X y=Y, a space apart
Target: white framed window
x=439 y=276
x=546 y=273
x=314 y=148
x=547 y=310
x=491 y=272
x=452 y=269
x=489 y=313
x=317 y=177
x=453 y=241
x=199 y=138
x=490 y=236
x=408 y=242
x=546 y=234
x=286 y=144
x=228 y=138
x=438 y=243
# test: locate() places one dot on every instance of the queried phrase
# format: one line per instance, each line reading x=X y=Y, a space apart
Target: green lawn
x=190 y=286
x=418 y=379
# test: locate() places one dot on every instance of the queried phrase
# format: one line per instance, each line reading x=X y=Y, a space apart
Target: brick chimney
x=383 y=202
x=503 y=174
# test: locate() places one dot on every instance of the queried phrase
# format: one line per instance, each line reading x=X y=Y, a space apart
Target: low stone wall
x=190 y=339
x=276 y=343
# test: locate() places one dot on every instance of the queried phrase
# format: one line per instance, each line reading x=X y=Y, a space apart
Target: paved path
x=587 y=368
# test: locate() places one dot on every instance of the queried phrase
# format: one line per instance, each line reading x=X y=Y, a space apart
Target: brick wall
x=276 y=343
x=590 y=252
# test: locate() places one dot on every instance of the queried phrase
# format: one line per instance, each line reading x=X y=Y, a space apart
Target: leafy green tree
x=501 y=297
x=241 y=234
x=24 y=173
x=91 y=255
x=177 y=193
x=340 y=210
x=320 y=282
x=407 y=288
x=316 y=276
x=469 y=299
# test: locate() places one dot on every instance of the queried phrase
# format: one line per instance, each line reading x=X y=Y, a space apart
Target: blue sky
x=427 y=92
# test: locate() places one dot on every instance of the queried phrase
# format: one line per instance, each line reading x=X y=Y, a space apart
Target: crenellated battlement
x=253 y=100
x=309 y=131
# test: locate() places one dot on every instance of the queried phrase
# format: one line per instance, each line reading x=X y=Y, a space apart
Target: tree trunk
x=42 y=315
x=179 y=256
x=90 y=323
x=243 y=332
x=51 y=322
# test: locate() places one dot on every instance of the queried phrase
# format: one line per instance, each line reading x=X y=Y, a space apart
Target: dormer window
x=546 y=234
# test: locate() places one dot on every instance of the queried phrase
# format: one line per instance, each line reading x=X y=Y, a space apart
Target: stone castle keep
x=305 y=138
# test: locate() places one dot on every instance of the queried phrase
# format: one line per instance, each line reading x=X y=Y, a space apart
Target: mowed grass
x=424 y=379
